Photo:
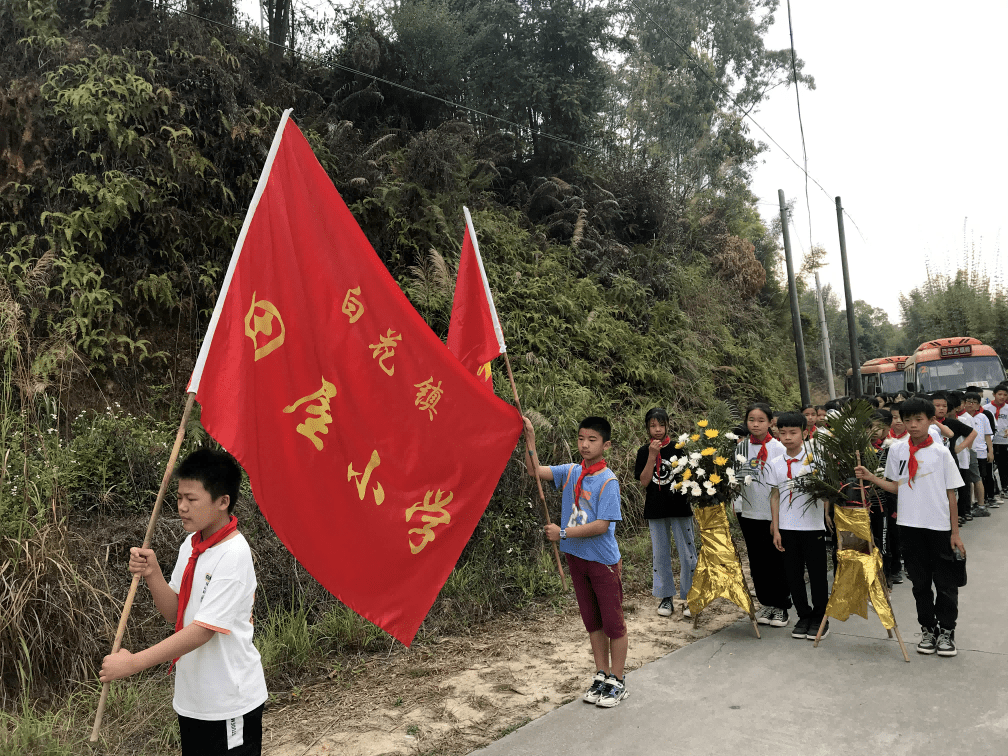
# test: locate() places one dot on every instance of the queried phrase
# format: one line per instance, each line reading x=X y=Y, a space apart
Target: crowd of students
x=941 y=461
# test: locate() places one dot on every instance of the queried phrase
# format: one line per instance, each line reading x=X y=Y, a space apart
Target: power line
x=745 y=113
x=801 y=127
x=348 y=69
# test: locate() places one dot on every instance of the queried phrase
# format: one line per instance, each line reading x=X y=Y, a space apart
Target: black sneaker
x=927 y=642
x=765 y=615
x=780 y=618
x=595 y=691
x=613 y=692
x=897 y=578
x=665 y=608
x=815 y=629
x=801 y=628
x=969 y=517
x=946 y=643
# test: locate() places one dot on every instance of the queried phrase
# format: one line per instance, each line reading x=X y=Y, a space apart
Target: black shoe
x=801 y=628
x=825 y=631
x=946 y=643
x=897 y=578
x=927 y=643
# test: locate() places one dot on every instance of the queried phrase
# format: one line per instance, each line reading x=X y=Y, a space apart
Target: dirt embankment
x=456 y=694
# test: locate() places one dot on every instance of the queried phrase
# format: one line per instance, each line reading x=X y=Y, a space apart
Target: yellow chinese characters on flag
x=356 y=425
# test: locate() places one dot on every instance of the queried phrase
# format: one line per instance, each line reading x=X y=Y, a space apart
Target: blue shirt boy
x=600 y=500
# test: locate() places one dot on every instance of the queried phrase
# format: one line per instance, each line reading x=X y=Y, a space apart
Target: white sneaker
x=686 y=612
x=665 y=608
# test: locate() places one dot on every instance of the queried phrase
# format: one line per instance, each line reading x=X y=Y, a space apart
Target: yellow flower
x=687 y=474
x=677 y=486
x=702 y=423
x=711 y=433
x=695 y=437
x=720 y=461
x=679 y=445
x=715 y=478
x=709 y=451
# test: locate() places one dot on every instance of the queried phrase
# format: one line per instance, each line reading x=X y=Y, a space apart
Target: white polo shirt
x=797 y=511
x=924 y=503
x=983 y=426
x=753 y=501
x=1001 y=420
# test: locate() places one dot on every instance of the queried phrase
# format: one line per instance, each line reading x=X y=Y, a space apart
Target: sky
x=908 y=124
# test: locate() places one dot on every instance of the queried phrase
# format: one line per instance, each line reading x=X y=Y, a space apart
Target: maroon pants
x=599 y=591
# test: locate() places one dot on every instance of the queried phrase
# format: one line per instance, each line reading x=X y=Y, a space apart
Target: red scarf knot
x=198 y=547
x=997 y=409
x=789 y=463
x=912 y=465
x=763 y=456
x=585 y=472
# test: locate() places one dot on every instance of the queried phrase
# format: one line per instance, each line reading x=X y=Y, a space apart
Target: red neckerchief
x=585 y=472
x=789 y=476
x=997 y=410
x=763 y=455
x=877 y=443
x=912 y=466
x=198 y=547
x=665 y=442
x=812 y=430
x=893 y=435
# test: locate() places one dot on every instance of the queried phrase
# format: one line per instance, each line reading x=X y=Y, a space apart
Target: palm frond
x=836 y=455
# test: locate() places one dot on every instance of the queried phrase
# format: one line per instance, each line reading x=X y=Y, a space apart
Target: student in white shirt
x=999 y=410
x=220 y=688
x=983 y=447
x=925 y=477
x=799 y=527
x=766 y=564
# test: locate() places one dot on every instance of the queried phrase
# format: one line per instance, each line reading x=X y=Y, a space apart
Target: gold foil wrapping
x=859 y=575
x=718 y=572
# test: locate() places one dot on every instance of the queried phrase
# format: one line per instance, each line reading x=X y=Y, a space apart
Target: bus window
x=985 y=372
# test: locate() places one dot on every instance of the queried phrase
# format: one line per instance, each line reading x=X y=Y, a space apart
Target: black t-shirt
x=961 y=430
x=660 y=498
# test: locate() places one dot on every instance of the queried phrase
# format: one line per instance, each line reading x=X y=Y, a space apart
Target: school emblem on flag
x=370 y=449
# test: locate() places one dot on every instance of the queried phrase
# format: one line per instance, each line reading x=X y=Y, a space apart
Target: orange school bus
x=883 y=375
x=953 y=364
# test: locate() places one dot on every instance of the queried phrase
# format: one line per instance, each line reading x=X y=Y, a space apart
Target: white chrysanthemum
x=696 y=491
x=741 y=458
x=701 y=472
x=747 y=480
x=695 y=457
x=731 y=436
x=684 y=438
x=731 y=475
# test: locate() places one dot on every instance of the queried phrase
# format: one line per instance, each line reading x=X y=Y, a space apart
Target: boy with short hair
x=925 y=478
x=799 y=527
x=590 y=509
x=668 y=513
x=983 y=447
x=960 y=441
x=998 y=409
x=972 y=476
x=220 y=688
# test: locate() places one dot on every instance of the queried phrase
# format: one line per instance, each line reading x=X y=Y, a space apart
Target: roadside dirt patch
x=453 y=695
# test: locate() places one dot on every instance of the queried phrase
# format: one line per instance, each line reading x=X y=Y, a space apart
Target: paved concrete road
x=731 y=693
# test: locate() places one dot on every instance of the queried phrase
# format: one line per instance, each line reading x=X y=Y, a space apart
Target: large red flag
x=371 y=450
x=474 y=333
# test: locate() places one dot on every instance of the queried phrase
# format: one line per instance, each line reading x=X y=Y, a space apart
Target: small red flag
x=370 y=449
x=474 y=333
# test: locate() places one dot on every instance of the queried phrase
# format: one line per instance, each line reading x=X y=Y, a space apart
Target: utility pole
x=799 y=341
x=827 y=357
x=851 y=320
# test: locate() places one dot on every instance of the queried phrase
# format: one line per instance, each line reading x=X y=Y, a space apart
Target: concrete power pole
x=826 y=355
x=799 y=340
x=851 y=319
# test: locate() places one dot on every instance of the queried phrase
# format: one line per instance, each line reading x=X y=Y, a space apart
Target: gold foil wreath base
x=857 y=580
x=719 y=571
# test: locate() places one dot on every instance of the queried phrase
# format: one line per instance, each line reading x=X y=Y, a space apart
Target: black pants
x=1001 y=462
x=210 y=737
x=925 y=566
x=766 y=564
x=987 y=475
x=806 y=550
x=964 y=496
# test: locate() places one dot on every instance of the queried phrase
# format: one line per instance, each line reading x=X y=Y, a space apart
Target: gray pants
x=681 y=528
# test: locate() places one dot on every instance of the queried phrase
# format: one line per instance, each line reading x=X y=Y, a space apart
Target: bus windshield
x=950 y=375
x=892 y=383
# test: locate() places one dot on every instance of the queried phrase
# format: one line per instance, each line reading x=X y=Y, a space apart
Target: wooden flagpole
x=165 y=480
x=542 y=496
